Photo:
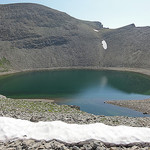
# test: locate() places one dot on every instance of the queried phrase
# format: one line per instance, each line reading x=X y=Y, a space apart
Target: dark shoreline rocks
x=74 y=106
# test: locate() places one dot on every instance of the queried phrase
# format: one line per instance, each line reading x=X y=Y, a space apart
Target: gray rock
x=74 y=106
x=87 y=147
x=113 y=148
x=75 y=148
x=34 y=119
x=48 y=145
x=29 y=142
x=2 y=97
x=98 y=143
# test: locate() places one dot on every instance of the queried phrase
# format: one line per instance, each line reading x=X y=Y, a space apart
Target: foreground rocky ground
x=58 y=145
x=47 y=111
x=138 y=105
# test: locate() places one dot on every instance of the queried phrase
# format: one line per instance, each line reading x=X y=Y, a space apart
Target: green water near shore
x=86 y=88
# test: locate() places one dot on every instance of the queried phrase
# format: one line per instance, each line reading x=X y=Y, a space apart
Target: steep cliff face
x=34 y=36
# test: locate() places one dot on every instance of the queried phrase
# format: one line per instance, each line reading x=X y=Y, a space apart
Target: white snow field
x=104 y=44
x=11 y=129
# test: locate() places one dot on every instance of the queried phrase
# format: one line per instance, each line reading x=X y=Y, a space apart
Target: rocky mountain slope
x=33 y=36
x=128 y=46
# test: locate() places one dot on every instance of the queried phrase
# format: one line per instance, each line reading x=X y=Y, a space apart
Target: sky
x=111 y=13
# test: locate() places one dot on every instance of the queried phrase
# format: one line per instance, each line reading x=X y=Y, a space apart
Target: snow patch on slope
x=96 y=30
x=104 y=44
x=11 y=128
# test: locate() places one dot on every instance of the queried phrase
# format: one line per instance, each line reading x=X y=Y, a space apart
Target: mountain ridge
x=34 y=36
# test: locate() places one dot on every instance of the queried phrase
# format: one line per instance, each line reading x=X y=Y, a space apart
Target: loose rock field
x=48 y=111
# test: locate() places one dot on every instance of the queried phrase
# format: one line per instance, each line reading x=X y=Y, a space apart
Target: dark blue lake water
x=85 y=88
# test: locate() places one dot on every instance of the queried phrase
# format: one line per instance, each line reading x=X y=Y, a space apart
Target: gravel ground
x=138 y=105
x=48 y=111
x=58 y=145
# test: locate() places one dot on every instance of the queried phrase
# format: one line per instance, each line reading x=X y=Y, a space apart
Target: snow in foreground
x=11 y=129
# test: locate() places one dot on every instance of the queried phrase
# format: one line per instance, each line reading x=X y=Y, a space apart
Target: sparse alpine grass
x=32 y=106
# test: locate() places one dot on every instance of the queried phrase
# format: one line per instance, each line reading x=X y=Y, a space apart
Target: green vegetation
x=10 y=105
x=4 y=64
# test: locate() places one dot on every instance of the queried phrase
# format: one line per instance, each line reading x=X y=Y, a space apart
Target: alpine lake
x=88 y=89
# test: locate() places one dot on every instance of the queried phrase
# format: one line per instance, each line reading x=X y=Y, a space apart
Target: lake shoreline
x=136 y=106
x=136 y=70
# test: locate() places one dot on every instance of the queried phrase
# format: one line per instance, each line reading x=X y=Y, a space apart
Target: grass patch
x=4 y=64
x=34 y=106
